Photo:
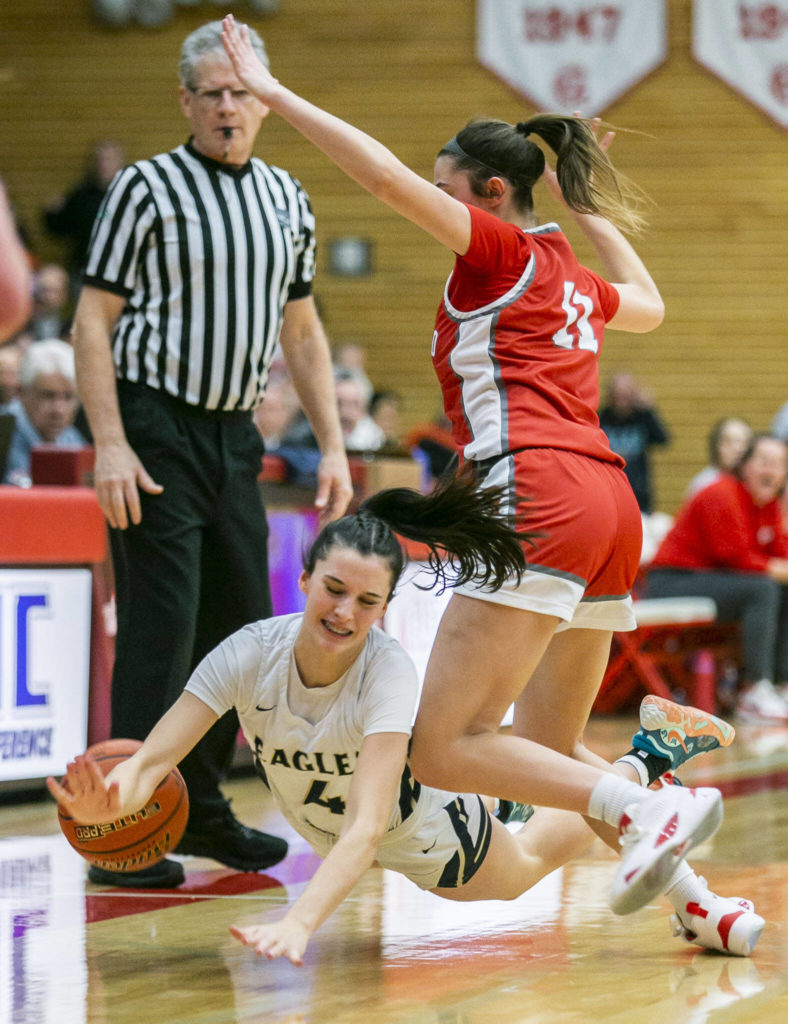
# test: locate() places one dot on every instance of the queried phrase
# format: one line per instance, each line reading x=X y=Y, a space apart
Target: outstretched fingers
x=85 y=793
x=246 y=63
x=268 y=942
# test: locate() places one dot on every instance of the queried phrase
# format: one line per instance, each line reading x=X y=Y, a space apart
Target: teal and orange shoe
x=676 y=733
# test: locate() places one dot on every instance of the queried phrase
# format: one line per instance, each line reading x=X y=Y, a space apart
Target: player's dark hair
x=468 y=537
x=589 y=182
x=363 y=533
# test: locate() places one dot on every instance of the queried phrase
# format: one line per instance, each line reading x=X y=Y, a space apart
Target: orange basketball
x=137 y=840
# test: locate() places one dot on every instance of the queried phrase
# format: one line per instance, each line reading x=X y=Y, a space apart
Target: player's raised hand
x=85 y=794
x=247 y=65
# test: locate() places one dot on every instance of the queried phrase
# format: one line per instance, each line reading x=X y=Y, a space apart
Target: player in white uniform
x=308 y=739
x=326 y=702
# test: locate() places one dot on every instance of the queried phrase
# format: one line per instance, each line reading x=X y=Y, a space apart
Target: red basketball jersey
x=516 y=343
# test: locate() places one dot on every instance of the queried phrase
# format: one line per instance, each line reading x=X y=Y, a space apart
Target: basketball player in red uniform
x=515 y=348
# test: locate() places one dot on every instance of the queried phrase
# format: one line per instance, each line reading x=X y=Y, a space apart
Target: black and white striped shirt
x=206 y=257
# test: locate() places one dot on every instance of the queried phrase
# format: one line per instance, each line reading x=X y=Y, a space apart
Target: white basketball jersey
x=306 y=741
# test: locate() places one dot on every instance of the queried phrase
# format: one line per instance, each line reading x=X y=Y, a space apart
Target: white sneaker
x=654 y=834
x=727 y=924
x=762 y=703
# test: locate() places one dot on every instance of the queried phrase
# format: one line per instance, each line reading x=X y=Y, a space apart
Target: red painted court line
x=198 y=887
x=749 y=784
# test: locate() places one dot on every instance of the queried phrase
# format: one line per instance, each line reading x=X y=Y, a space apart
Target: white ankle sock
x=611 y=795
x=685 y=887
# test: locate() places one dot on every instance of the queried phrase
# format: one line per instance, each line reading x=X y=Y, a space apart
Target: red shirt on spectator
x=721 y=527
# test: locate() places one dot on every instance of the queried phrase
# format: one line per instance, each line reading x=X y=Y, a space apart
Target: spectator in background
x=10 y=357
x=70 y=216
x=359 y=430
x=351 y=358
x=633 y=426
x=287 y=432
x=47 y=407
x=384 y=409
x=16 y=285
x=276 y=414
x=729 y=543
x=728 y=440
x=50 y=303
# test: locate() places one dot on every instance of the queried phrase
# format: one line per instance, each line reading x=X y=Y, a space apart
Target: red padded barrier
x=51 y=526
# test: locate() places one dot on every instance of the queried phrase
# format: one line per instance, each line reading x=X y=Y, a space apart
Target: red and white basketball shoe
x=725 y=923
x=654 y=835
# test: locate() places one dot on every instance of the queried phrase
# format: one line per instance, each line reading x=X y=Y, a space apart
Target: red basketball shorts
x=583 y=562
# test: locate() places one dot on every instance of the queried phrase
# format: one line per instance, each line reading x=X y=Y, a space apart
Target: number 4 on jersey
x=578 y=309
x=335 y=804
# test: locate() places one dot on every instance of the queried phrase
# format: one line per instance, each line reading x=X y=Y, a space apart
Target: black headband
x=453 y=146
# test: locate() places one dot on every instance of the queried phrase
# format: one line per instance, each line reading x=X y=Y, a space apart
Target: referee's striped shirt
x=206 y=257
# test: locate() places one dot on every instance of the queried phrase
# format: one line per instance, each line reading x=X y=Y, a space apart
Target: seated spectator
x=351 y=359
x=276 y=414
x=47 y=407
x=729 y=543
x=728 y=440
x=50 y=303
x=384 y=409
x=633 y=426
x=10 y=356
x=360 y=431
x=286 y=432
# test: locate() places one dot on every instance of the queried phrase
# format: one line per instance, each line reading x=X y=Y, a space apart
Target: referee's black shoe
x=225 y=839
x=166 y=874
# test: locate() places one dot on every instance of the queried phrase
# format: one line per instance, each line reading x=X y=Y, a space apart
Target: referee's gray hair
x=49 y=356
x=208 y=39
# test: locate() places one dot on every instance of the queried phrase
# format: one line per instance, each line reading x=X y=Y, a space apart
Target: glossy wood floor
x=71 y=953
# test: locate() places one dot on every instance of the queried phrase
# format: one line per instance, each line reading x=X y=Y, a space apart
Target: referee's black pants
x=193 y=571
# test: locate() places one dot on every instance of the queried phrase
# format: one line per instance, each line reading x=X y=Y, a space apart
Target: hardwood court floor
x=71 y=953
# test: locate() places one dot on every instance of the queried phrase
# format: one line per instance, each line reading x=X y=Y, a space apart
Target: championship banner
x=571 y=55
x=746 y=45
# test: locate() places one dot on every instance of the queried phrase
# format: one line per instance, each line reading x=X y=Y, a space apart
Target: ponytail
x=588 y=180
x=469 y=539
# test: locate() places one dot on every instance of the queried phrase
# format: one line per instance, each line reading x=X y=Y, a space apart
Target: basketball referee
x=200 y=260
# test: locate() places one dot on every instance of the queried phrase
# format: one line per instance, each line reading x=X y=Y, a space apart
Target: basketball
x=139 y=839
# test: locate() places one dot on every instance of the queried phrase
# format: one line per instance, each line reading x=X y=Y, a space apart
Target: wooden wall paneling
x=406 y=72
